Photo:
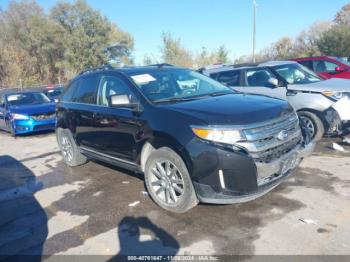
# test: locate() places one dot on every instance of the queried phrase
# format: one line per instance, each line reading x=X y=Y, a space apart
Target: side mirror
x=123 y=101
x=340 y=69
x=273 y=82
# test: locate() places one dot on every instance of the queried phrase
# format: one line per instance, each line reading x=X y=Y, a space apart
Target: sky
x=210 y=23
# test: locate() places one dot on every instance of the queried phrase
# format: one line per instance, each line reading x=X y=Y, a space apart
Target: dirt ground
x=48 y=208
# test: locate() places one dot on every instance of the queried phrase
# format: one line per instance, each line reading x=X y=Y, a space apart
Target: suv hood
x=34 y=109
x=333 y=84
x=234 y=109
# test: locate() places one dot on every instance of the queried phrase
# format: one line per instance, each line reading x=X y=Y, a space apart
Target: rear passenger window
x=229 y=78
x=68 y=94
x=86 y=91
x=307 y=64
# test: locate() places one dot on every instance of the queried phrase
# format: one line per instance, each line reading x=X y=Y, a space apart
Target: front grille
x=46 y=116
x=43 y=127
x=264 y=145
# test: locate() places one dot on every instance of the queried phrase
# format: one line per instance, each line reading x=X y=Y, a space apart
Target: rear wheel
x=69 y=149
x=168 y=181
x=313 y=124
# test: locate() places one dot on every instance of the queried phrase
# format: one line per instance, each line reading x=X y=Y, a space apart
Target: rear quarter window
x=229 y=78
x=68 y=94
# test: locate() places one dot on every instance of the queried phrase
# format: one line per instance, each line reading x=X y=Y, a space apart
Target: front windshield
x=343 y=60
x=176 y=85
x=22 y=99
x=296 y=74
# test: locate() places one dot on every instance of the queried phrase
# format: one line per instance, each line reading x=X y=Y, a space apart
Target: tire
x=177 y=181
x=313 y=123
x=11 y=130
x=69 y=149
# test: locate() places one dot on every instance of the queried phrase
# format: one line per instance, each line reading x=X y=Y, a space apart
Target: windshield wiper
x=177 y=99
x=219 y=93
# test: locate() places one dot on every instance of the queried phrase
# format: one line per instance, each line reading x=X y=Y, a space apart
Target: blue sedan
x=26 y=112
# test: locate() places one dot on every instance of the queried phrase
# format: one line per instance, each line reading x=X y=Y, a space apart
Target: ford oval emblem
x=283 y=135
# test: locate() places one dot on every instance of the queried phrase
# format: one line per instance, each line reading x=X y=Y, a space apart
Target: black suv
x=192 y=137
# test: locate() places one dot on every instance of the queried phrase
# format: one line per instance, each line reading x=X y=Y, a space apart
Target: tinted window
x=86 y=91
x=112 y=85
x=229 y=78
x=258 y=77
x=68 y=95
x=2 y=100
x=324 y=66
x=308 y=64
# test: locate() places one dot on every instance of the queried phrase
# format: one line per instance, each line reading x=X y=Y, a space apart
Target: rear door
x=78 y=105
x=255 y=81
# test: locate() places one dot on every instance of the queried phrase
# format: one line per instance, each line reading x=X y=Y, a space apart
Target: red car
x=326 y=66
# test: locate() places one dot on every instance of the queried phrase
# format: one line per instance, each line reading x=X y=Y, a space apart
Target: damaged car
x=323 y=105
x=194 y=139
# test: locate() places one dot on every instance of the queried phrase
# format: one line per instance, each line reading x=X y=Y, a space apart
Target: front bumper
x=32 y=126
x=234 y=177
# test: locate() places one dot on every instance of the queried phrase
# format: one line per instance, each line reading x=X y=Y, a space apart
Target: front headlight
x=20 y=117
x=334 y=95
x=226 y=136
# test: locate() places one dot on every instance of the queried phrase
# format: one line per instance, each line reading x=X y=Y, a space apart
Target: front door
x=117 y=130
x=255 y=81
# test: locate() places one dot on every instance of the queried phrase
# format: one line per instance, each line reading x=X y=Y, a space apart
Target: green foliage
x=48 y=48
x=336 y=41
x=174 y=53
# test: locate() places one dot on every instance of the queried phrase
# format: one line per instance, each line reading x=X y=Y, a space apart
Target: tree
x=306 y=42
x=343 y=16
x=335 y=41
x=88 y=34
x=174 y=53
x=221 y=55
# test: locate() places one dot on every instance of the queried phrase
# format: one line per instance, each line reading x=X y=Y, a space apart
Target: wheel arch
x=162 y=140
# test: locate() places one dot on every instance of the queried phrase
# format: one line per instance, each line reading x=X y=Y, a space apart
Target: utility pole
x=254 y=28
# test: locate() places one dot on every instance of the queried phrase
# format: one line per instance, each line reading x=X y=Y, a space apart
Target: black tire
x=312 y=121
x=187 y=199
x=11 y=130
x=74 y=158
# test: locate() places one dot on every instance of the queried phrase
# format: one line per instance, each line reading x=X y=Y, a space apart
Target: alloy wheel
x=309 y=125
x=67 y=149
x=167 y=182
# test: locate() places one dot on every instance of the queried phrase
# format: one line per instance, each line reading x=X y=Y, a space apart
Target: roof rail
x=100 y=68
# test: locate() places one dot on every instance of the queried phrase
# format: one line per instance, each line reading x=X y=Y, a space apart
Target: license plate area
x=288 y=164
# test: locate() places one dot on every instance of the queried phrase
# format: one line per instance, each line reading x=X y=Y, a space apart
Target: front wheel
x=70 y=151
x=313 y=124
x=168 y=181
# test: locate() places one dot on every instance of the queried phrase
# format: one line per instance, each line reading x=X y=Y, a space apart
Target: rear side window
x=86 y=90
x=307 y=64
x=68 y=94
x=229 y=78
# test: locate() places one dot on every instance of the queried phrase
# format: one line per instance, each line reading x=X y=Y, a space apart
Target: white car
x=324 y=105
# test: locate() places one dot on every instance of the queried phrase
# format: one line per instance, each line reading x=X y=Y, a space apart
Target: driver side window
x=112 y=85
x=258 y=77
